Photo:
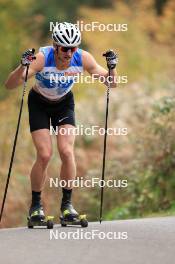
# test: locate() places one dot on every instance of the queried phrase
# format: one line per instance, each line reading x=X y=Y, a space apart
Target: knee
x=66 y=154
x=44 y=157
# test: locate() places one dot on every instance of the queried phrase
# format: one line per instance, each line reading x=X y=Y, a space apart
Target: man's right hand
x=28 y=57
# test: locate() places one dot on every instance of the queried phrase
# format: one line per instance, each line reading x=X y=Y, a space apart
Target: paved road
x=149 y=241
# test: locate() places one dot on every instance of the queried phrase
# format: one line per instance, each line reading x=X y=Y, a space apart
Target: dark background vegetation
x=145 y=105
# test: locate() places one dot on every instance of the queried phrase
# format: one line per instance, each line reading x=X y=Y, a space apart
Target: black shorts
x=43 y=113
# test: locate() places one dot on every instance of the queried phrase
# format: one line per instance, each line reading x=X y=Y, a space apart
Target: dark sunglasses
x=66 y=49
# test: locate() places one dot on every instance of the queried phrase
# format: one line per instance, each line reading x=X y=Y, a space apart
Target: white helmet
x=66 y=35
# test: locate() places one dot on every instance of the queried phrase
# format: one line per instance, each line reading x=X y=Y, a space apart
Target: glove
x=28 y=57
x=111 y=58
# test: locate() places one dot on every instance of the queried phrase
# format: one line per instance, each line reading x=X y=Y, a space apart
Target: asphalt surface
x=143 y=241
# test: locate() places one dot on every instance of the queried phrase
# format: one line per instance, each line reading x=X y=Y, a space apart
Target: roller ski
x=69 y=216
x=37 y=218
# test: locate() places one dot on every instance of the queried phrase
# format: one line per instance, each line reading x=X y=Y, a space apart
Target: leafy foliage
x=146 y=156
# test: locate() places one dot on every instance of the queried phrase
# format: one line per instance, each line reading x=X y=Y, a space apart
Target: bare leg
x=43 y=145
x=68 y=171
x=66 y=150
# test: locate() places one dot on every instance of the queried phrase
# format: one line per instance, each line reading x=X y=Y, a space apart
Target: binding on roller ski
x=69 y=216
x=37 y=218
x=53 y=104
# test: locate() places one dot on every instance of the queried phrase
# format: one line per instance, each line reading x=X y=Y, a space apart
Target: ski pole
x=104 y=147
x=15 y=140
x=114 y=62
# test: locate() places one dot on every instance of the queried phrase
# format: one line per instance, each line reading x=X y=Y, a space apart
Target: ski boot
x=71 y=217
x=37 y=218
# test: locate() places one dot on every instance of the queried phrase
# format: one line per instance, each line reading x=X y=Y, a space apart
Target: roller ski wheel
x=80 y=220
x=83 y=220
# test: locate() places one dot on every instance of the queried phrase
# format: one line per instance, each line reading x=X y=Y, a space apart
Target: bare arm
x=17 y=76
x=93 y=68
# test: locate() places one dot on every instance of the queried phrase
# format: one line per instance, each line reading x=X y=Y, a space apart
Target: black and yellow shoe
x=69 y=216
x=68 y=212
x=37 y=218
x=36 y=213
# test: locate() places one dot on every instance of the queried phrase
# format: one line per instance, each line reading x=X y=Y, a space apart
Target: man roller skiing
x=53 y=103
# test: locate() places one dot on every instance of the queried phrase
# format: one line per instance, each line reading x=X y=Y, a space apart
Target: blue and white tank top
x=53 y=83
